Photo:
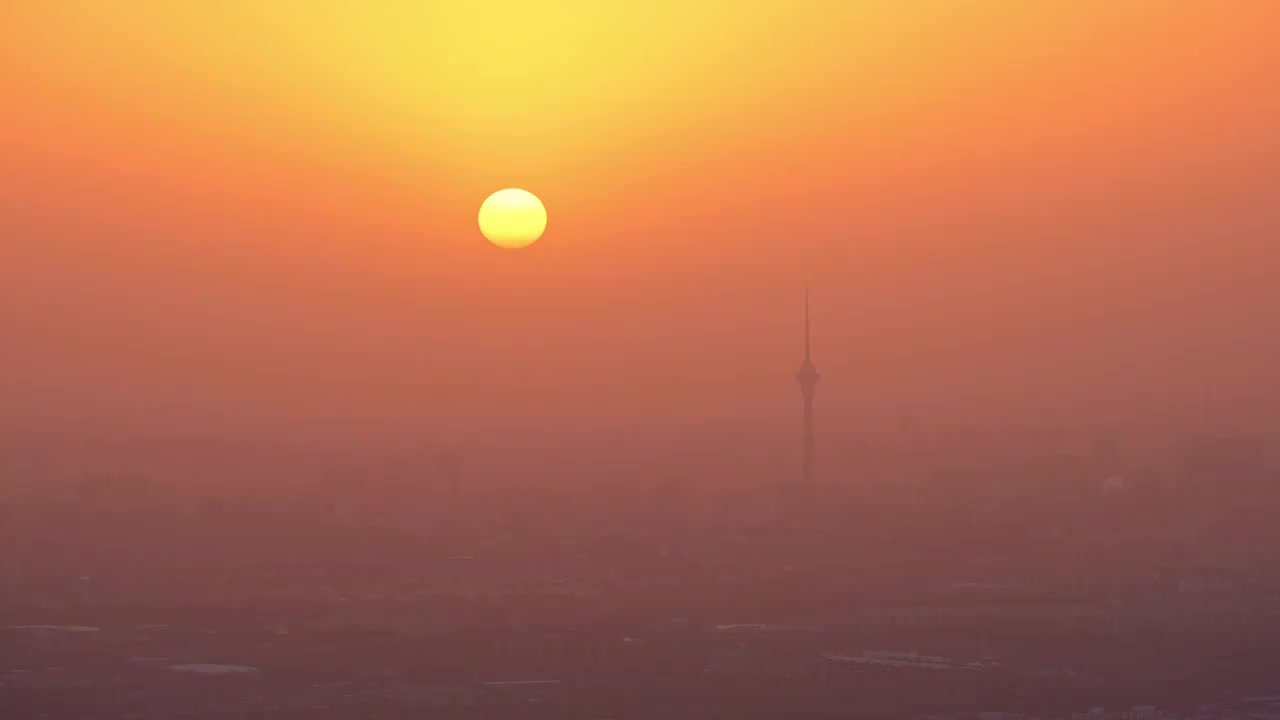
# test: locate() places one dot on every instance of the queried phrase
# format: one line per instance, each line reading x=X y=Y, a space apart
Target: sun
x=512 y=218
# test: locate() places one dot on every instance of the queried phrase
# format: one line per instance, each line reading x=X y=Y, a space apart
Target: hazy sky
x=256 y=217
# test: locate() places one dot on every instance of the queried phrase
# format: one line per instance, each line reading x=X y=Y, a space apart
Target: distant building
x=807 y=378
x=520 y=691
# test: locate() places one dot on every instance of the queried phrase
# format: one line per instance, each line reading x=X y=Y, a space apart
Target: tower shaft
x=807 y=469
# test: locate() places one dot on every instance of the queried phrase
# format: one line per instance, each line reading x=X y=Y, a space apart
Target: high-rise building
x=808 y=380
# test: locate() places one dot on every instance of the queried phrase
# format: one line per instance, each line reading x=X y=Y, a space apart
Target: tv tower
x=808 y=380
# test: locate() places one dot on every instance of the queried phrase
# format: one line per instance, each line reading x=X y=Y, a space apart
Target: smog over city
x=886 y=359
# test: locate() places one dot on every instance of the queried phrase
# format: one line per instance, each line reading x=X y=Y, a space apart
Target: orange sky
x=248 y=217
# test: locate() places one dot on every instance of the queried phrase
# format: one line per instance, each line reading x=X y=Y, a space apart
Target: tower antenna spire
x=807 y=353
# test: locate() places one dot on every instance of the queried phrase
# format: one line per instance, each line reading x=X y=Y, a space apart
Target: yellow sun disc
x=512 y=218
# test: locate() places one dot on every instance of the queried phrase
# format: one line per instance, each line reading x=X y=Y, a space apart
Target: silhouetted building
x=808 y=380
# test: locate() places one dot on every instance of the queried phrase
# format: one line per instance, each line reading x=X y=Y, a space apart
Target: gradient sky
x=258 y=218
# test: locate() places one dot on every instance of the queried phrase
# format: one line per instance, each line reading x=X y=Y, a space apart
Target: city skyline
x=404 y=359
